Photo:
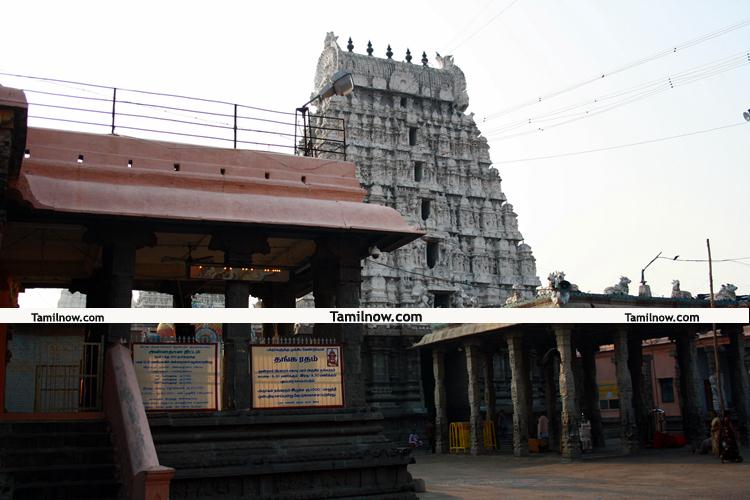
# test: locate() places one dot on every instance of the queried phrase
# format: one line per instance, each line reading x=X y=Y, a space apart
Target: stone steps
x=57 y=460
x=282 y=454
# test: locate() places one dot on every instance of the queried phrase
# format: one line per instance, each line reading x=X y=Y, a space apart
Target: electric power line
x=622 y=97
x=632 y=64
x=737 y=260
x=465 y=28
x=619 y=146
x=511 y=4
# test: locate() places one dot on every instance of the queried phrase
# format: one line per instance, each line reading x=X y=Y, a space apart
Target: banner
x=622 y=315
x=297 y=376
x=177 y=376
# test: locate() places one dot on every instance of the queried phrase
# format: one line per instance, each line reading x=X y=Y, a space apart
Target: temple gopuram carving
x=419 y=152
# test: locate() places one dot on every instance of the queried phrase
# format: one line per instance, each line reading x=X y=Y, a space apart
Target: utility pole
x=713 y=328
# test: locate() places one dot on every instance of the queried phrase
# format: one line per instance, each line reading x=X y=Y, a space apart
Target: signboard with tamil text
x=177 y=376
x=297 y=376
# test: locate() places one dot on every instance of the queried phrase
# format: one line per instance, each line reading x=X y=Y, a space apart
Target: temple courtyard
x=650 y=473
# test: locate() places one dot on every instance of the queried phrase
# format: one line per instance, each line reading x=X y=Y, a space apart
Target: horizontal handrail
x=193 y=118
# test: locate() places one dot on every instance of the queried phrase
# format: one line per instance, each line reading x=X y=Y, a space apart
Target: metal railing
x=68 y=377
x=86 y=107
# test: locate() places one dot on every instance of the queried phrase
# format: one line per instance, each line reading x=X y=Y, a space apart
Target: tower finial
x=350 y=45
x=408 y=56
x=389 y=52
x=424 y=58
x=369 y=48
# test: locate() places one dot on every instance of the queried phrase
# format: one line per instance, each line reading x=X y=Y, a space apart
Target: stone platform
x=284 y=454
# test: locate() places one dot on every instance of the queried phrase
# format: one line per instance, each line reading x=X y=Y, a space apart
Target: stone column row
x=738 y=377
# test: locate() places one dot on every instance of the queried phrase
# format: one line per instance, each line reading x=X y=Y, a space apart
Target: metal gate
x=65 y=386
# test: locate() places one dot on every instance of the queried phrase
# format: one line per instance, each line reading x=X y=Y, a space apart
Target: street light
x=342 y=84
x=644 y=290
x=746 y=115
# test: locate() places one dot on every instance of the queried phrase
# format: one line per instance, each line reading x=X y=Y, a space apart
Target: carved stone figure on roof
x=620 y=288
x=679 y=294
x=727 y=292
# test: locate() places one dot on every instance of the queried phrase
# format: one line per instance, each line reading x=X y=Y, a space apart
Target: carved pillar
x=628 y=425
x=551 y=367
x=489 y=386
x=739 y=379
x=441 y=404
x=518 y=386
x=570 y=448
x=475 y=419
x=529 y=361
x=635 y=365
x=714 y=403
x=591 y=389
x=692 y=419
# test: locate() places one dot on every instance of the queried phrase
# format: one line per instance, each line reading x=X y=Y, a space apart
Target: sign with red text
x=297 y=376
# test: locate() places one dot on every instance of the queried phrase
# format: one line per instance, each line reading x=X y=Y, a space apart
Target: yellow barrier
x=490 y=440
x=460 y=436
x=459 y=433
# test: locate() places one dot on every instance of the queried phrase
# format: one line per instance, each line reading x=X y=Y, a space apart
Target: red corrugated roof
x=177 y=181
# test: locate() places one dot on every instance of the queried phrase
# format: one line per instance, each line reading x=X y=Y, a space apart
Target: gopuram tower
x=417 y=151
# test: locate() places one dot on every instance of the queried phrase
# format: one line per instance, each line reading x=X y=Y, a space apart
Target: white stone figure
x=515 y=296
x=727 y=292
x=425 y=300
x=679 y=294
x=620 y=288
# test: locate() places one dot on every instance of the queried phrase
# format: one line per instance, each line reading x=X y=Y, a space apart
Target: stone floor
x=650 y=473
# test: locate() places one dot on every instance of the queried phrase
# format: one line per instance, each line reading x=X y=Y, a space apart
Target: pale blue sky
x=595 y=216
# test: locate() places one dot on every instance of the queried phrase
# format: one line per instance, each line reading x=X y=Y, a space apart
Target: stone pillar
x=324 y=273
x=283 y=296
x=739 y=379
x=115 y=281
x=475 y=419
x=238 y=248
x=489 y=387
x=635 y=365
x=529 y=361
x=518 y=386
x=551 y=367
x=119 y=267
x=692 y=418
x=714 y=404
x=348 y=282
x=628 y=425
x=591 y=390
x=337 y=275
x=570 y=447
x=237 y=384
x=441 y=404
